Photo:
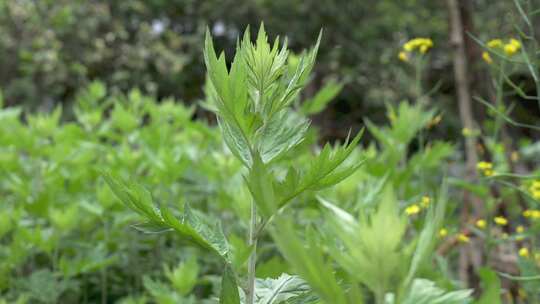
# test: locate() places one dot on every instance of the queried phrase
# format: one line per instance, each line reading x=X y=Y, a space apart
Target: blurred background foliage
x=50 y=48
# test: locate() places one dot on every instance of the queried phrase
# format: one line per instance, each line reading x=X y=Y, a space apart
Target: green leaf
x=283 y=132
x=425 y=292
x=365 y=248
x=426 y=240
x=270 y=291
x=229 y=289
x=236 y=142
x=160 y=291
x=327 y=169
x=259 y=182
x=491 y=286
x=308 y=260
x=318 y=103
x=184 y=276
x=190 y=226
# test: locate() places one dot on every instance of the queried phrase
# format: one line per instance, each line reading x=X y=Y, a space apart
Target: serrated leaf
x=326 y=170
x=184 y=276
x=284 y=131
x=365 y=248
x=189 y=226
x=308 y=259
x=425 y=292
x=270 y=291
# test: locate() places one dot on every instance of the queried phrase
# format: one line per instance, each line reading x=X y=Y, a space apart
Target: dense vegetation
x=120 y=195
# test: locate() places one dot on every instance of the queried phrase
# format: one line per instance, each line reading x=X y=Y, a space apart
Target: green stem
x=499 y=101
x=104 y=269
x=252 y=241
x=418 y=80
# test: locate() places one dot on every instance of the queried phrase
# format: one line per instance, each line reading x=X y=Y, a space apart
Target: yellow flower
x=426 y=200
x=481 y=224
x=535 y=189
x=495 y=43
x=487 y=57
x=484 y=165
x=466 y=132
x=510 y=49
x=462 y=237
x=534 y=214
x=443 y=232
x=409 y=47
x=524 y=252
x=412 y=209
x=422 y=44
x=403 y=56
x=515 y=42
x=500 y=220
x=504 y=236
x=520 y=229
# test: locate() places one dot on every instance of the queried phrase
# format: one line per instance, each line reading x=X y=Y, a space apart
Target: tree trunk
x=469 y=259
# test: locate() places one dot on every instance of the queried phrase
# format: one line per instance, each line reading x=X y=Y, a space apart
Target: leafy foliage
x=189 y=225
x=424 y=292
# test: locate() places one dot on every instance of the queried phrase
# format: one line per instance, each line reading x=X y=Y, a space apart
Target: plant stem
x=104 y=269
x=252 y=241
x=499 y=102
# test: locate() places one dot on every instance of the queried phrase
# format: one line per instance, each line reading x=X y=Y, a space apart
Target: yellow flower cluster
x=426 y=200
x=535 y=189
x=412 y=209
x=510 y=48
x=531 y=213
x=463 y=238
x=485 y=167
x=487 y=57
x=481 y=224
x=403 y=56
x=443 y=232
x=500 y=220
x=495 y=43
x=421 y=44
x=416 y=208
x=523 y=252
